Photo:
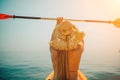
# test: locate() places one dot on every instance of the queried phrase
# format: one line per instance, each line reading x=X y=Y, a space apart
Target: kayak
x=81 y=76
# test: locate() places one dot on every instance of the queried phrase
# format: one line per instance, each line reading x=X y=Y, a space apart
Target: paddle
x=116 y=22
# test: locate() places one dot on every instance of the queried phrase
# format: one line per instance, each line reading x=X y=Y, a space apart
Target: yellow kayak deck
x=81 y=76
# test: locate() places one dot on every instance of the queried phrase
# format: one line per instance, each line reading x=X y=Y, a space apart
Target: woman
x=66 y=47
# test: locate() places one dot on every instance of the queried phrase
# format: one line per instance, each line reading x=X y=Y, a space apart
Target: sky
x=34 y=35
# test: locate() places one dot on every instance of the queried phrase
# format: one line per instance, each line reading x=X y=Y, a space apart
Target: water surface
x=36 y=66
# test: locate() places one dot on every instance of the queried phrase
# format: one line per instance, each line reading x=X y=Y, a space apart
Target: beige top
x=66 y=36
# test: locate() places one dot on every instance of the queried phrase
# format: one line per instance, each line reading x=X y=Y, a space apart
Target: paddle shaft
x=41 y=18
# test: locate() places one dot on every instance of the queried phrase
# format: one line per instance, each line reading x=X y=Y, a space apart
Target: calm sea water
x=36 y=66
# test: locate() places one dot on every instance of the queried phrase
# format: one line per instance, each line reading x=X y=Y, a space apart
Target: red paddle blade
x=5 y=16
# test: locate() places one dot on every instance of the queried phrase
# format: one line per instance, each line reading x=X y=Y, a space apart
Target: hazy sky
x=34 y=35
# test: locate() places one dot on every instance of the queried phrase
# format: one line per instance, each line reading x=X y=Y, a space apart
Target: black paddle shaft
x=26 y=17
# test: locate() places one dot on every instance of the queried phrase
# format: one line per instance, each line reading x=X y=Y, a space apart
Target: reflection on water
x=36 y=66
